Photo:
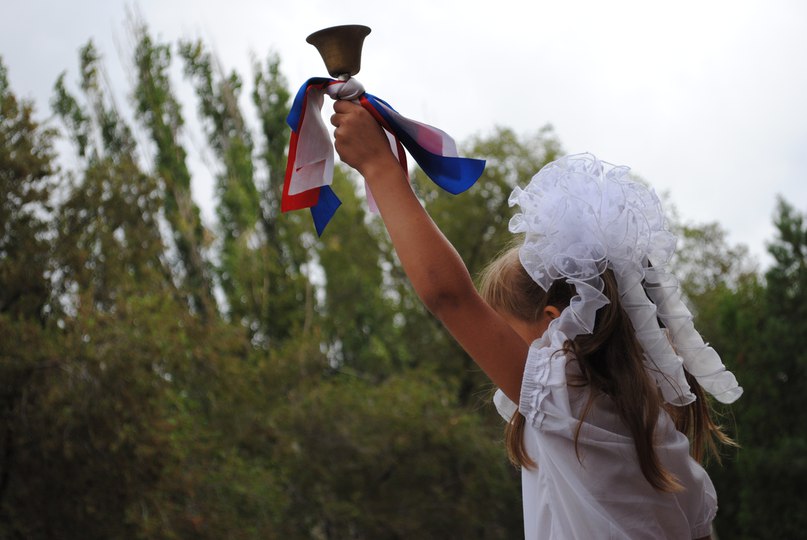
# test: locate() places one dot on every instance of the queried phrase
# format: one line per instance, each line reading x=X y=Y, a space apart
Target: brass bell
x=340 y=48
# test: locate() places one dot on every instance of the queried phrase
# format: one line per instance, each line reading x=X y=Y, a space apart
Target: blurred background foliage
x=161 y=377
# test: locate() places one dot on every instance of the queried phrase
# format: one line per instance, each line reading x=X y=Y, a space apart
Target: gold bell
x=340 y=48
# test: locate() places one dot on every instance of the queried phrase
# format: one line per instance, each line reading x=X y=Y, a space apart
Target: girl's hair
x=612 y=363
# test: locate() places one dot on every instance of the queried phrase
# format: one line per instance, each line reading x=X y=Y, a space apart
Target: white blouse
x=603 y=494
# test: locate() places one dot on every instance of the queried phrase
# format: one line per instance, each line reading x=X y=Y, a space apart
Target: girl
x=570 y=332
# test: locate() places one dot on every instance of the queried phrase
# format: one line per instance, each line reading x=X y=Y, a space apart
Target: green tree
x=357 y=314
x=704 y=260
x=397 y=460
x=271 y=98
x=773 y=413
x=160 y=112
x=26 y=183
x=757 y=325
x=109 y=242
x=713 y=275
x=86 y=430
x=239 y=202
x=280 y=277
x=262 y=254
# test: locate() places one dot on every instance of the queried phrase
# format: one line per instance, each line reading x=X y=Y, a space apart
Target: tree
x=773 y=410
x=261 y=259
x=26 y=183
x=757 y=325
x=85 y=430
x=239 y=202
x=357 y=314
x=26 y=171
x=282 y=275
x=116 y=248
x=704 y=261
x=160 y=112
x=396 y=460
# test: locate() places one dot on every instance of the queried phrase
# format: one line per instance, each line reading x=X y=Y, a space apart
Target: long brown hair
x=611 y=361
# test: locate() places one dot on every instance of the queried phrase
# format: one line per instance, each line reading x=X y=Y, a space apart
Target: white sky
x=705 y=99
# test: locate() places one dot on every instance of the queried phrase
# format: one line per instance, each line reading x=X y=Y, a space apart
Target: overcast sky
x=704 y=99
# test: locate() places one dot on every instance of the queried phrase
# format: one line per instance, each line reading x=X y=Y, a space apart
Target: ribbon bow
x=309 y=170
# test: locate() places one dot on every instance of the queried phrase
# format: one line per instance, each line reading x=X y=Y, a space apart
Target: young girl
x=569 y=330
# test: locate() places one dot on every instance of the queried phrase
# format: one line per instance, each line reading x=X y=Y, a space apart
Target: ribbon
x=309 y=169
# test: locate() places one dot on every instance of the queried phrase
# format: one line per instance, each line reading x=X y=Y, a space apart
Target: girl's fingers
x=343 y=106
x=342 y=110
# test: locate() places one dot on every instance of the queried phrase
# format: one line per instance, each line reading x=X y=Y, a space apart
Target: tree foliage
x=756 y=322
x=134 y=405
x=158 y=109
x=26 y=169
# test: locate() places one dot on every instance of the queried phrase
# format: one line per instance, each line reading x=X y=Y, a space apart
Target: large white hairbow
x=581 y=216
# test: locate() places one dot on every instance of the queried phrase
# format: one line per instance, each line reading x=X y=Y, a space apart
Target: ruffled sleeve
x=544 y=393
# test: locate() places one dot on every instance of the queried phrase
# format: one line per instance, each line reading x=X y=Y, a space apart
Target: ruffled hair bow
x=309 y=169
x=581 y=216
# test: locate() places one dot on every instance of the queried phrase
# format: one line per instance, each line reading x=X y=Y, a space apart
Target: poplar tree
x=161 y=114
x=772 y=413
x=238 y=208
x=26 y=184
x=358 y=312
x=109 y=239
x=282 y=291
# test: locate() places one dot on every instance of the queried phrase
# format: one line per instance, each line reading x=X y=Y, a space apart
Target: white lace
x=581 y=216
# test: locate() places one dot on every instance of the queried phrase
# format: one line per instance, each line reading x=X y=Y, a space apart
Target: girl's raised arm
x=434 y=267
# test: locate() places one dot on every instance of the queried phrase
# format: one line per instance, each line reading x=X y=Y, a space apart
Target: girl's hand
x=359 y=139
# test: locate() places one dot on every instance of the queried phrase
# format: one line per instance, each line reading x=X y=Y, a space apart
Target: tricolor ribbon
x=309 y=170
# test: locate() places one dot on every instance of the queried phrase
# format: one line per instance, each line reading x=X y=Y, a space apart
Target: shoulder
x=544 y=393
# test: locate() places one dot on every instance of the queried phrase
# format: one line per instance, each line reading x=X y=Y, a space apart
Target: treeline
x=160 y=378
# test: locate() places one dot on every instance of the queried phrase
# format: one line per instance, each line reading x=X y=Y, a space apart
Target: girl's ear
x=551 y=312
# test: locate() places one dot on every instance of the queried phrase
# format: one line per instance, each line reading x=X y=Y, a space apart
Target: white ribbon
x=582 y=216
x=314 y=161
